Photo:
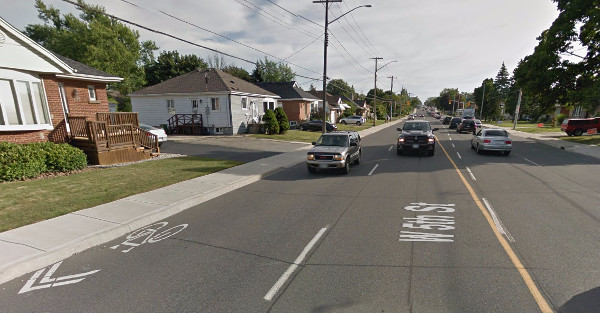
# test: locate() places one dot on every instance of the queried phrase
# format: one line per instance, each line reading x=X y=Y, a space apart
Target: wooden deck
x=112 y=138
x=186 y=124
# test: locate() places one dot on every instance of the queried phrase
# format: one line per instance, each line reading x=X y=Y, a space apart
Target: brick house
x=296 y=103
x=38 y=89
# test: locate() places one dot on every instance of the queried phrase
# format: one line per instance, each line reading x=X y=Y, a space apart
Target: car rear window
x=499 y=133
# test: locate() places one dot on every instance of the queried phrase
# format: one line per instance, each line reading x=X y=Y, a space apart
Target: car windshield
x=416 y=126
x=333 y=140
x=494 y=133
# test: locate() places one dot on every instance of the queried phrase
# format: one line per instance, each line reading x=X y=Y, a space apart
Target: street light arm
x=362 y=6
x=386 y=64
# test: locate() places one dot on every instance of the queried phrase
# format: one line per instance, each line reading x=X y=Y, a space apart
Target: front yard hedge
x=22 y=161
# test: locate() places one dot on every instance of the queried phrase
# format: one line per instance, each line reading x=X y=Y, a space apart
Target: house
x=362 y=108
x=39 y=89
x=209 y=100
x=296 y=103
x=334 y=106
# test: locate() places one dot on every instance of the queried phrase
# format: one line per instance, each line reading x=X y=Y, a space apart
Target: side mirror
x=435 y=129
x=314 y=143
x=353 y=144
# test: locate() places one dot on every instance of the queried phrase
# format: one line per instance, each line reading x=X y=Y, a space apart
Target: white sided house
x=225 y=104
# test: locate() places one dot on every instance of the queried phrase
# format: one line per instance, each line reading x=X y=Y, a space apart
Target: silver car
x=492 y=139
x=354 y=119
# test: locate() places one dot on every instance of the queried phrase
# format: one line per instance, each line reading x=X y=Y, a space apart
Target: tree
x=95 y=40
x=282 y=120
x=488 y=106
x=270 y=71
x=217 y=61
x=338 y=87
x=271 y=124
x=171 y=64
x=238 y=72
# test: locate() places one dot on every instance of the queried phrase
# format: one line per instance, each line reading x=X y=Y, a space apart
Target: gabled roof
x=362 y=104
x=204 y=80
x=83 y=71
x=287 y=90
x=331 y=99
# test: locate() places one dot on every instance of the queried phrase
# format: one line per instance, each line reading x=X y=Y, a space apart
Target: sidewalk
x=38 y=245
x=551 y=140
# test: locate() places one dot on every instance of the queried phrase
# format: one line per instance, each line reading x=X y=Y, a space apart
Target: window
x=171 y=106
x=215 y=104
x=244 y=103
x=268 y=105
x=92 y=92
x=195 y=104
x=23 y=104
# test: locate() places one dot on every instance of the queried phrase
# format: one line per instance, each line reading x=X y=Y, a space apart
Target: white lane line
x=471 y=173
x=459 y=155
x=269 y=296
x=391 y=147
x=528 y=160
x=453 y=146
x=450 y=137
x=373 y=170
x=497 y=221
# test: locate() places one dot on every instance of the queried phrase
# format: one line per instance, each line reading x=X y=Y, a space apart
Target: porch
x=112 y=138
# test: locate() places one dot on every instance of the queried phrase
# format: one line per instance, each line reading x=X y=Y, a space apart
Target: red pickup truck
x=578 y=126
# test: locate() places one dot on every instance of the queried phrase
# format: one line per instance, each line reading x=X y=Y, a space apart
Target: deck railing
x=118 y=118
x=182 y=123
x=78 y=126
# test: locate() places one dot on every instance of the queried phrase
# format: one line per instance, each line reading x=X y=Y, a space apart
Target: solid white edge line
x=373 y=170
x=528 y=160
x=269 y=296
x=471 y=173
x=459 y=155
x=497 y=221
x=391 y=147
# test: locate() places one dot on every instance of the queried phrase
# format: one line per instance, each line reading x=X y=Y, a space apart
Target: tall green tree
x=96 y=40
x=338 y=87
x=270 y=71
x=171 y=64
x=238 y=72
x=488 y=105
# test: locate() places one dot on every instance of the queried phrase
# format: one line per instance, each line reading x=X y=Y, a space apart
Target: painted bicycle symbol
x=149 y=234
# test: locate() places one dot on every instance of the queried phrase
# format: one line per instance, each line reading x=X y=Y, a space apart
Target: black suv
x=334 y=150
x=454 y=122
x=467 y=125
x=316 y=125
x=416 y=136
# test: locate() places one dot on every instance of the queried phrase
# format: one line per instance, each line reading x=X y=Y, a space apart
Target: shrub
x=282 y=120
x=63 y=157
x=20 y=161
x=271 y=125
x=560 y=118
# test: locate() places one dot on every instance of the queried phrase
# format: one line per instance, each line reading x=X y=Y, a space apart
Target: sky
x=426 y=45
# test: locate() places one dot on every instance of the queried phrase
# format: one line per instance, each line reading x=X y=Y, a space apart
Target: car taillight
x=400 y=139
x=508 y=142
x=430 y=140
x=486 y=141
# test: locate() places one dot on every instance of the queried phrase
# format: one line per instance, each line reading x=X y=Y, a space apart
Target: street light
x=375 y=89
x=324 y=130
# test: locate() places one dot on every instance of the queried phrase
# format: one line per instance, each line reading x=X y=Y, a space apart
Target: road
x=454 y=232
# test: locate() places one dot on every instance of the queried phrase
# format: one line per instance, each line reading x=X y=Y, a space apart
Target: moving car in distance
x=454 y=122
x=410 y=117
x=416 y=136
x=446 y=120
x=317 y=125
x=335 y=150
x=467 y=125
x=354 y=119
x=159 y=132
x=492 y=139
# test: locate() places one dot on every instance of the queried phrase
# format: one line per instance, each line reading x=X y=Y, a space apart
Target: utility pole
x=375 y=92
x=482 y=98
x=392 y=94
x=517 y=109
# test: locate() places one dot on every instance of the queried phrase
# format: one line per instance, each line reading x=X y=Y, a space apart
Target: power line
x=362 y=46
x=371 y=46
x=294 y=14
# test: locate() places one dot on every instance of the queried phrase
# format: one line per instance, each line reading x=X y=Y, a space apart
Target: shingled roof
x=204 y=80
x=287 y=90
x=82 y=69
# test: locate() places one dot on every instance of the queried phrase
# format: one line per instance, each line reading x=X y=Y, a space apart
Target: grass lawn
x=527 y=127
x=27 y=202
x=587 y=140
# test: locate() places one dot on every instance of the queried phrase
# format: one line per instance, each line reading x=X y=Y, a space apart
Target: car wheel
x=479 y=151
x=344 y=122
x=432 y=152
x=357 y=161
x=311 y=169
x=346 y=168
x=578 y=132
x=506 y=153
x=398 y=152
x=357 y=123
x=472 y=146
x=300 y=128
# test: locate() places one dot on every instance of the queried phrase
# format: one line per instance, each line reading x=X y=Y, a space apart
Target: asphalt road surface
x=454 y=232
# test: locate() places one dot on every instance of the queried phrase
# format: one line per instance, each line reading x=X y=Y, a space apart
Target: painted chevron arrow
x=47 y=281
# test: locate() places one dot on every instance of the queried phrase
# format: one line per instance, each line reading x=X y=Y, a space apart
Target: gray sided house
x=227 y=104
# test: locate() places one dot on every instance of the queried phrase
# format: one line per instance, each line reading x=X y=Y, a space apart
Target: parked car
x=335 y=150
x=446 y=120
x=354 y=119
x=317 y=125
x=577 y=126
x=437 y=116
x=159 y=132
x=410 y=117
x=416 y=136
x=454 y=122
x=492 y=139
x=466 y=126
x=477 y=123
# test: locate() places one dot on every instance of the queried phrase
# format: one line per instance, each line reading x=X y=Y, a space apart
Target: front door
x=65 y=105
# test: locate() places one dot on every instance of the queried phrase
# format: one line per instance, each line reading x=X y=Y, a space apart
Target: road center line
x=471 y=173
x=528 y=160
x=453 y=146
x=501 y=228
x=373 y=170
x=391 y=147
x=269 y=296
x=459 y=155
x=533 y=289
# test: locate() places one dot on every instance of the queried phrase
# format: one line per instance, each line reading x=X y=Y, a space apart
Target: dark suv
x=334 y=150
x=416 y=136
x=467 y=125
x=316 y=125
x=454 y=122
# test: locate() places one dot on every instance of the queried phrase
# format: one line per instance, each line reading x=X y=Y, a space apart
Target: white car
x=354 y=119
x=162 y=136
x=492 y=139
